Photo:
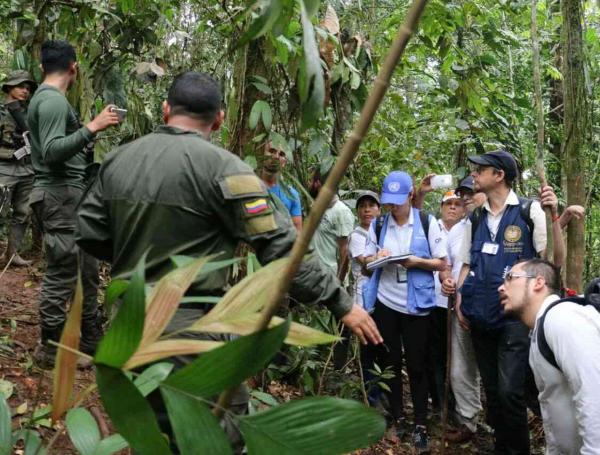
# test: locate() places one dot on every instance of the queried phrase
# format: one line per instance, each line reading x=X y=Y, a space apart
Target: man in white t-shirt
x=368 y=208
x=569 y=392
x=330 y=242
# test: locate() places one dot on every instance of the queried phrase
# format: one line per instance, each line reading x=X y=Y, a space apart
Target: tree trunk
x=249 y=62
x=575 y=121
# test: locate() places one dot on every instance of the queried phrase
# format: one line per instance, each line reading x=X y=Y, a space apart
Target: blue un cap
x=396 y=187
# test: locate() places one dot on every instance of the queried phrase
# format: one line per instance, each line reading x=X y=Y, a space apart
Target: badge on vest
x=490 y=248
x=512 y=240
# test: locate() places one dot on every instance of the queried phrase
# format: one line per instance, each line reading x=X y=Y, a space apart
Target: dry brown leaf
x=298 y=335
x=165 y=298
x=249 y=295
x=168 y=348
x=331 y=22
x=66 y=361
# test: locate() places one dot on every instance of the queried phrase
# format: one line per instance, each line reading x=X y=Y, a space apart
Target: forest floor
x=30 y=388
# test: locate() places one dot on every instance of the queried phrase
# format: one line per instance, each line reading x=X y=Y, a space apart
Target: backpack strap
x=525 y=208
x=378 y=228
x=541 y=336
x=475 y=218
x=424 y=221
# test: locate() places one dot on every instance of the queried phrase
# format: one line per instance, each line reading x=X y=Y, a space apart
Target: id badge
x=401 y=276
x=490 y=248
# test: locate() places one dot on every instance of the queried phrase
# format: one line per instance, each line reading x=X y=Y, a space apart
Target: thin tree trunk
x=539 y=107
x=575 y=123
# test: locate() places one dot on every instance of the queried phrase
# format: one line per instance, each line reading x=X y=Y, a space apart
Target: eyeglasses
x=509 y=276
x=478 y=168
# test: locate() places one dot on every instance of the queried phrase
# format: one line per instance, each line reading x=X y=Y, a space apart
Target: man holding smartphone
x=60 y=153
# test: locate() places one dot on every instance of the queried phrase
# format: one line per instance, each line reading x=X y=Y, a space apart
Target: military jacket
x=58 y=141
x=11 y=140
x=174 y=193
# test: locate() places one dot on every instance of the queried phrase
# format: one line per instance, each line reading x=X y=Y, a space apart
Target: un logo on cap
x=394 y=187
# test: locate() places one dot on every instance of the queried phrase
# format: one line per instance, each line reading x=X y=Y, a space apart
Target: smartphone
x=120 y=112
x=442 y=181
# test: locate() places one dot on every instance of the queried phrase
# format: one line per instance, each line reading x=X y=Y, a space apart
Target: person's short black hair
x=195 y=95
x=545 y=269
x=57 y=55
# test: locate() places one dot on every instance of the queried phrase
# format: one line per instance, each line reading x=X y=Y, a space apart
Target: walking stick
x=448 y=365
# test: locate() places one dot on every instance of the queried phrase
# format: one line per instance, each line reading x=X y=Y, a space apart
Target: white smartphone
x=120 y=112
x=442 y=181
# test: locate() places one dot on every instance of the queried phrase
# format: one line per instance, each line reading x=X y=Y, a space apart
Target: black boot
x=91 y=332
x=45 y=353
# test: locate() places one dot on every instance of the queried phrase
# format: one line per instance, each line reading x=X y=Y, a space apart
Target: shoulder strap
x=424 y=221
x=541 y=336
x=525 y=208
x=359 y=231
x=475 y=218
x=378 y=227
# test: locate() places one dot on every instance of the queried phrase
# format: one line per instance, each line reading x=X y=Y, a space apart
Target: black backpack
x=591 y=297
x=424 y=222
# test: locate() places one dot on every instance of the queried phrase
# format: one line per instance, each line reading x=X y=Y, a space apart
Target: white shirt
x=357 y=242
x=569 y=398
x=393 y=288
x=538 y=217
x=454 y=238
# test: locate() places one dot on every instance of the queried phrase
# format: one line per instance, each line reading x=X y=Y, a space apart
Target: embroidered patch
x=256 y=206
x=512 y=233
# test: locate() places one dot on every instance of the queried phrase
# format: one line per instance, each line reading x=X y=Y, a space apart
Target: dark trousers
x=438 y=359
x=502 y=357
x=54 y=209
x=398 y=330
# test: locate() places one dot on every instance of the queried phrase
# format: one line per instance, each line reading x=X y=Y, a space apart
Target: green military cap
x=17 y=77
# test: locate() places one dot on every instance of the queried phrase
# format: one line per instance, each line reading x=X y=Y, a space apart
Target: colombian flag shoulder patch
x=256 y=206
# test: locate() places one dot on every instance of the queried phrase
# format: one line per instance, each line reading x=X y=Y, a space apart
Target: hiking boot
x=91 y=333
x=460 y=434
x=45 y=353
x=15 y=236
x=420 y=439
x=18 y=261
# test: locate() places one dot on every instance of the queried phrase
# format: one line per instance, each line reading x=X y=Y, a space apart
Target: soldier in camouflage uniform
x=60 y=154
x=173 y=192
x=16 y=172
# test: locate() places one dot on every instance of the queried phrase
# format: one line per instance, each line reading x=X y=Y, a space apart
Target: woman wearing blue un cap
x=401 y=294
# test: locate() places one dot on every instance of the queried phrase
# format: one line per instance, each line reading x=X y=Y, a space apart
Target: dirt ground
x=31 y=388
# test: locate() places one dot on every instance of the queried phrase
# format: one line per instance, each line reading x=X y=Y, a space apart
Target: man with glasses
x=274 y=161
x=505 y=230
x=568 y=392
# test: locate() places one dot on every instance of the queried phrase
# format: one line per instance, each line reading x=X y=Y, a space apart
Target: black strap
x=591 y=298
x=16 y=112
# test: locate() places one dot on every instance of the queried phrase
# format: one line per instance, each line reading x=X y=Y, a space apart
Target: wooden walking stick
x=328 y=191
x=451 y=300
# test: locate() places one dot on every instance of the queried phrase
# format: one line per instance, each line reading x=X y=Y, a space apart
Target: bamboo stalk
x=537 y=91
x=349 y=151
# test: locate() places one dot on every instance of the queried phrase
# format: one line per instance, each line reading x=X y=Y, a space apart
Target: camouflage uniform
x=16 y=172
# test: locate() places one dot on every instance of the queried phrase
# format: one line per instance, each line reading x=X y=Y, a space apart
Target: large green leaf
x=270 y=11
x=33 y=443
x=319 y=425
x=311 y=86
x=115 y=289
x=110 y=445
x=130 y=412
x=5 y=427
x=196 y=429
x=230 y=364
x=83 y=430
x=152 y=376
x=210 y=267
x=125 y=332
